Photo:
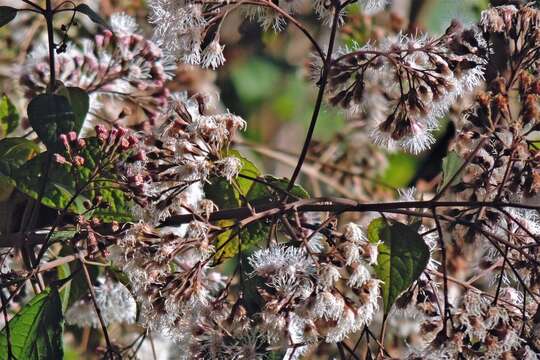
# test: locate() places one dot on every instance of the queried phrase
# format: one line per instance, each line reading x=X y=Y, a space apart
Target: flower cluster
x=114 y=301
x=484 y=329
x=191 y=29
x=123 y=73
x=189 y=148
x=406 y=84
x=173 y=283
x=300 y=289
x=182 y=296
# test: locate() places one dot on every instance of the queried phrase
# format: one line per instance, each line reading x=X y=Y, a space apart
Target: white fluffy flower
x=114 y=301
x=372 y=6
x=281 y=260
x=354 y=234
x=359 y=276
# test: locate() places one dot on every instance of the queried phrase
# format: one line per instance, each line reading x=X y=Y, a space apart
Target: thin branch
x=320 y=95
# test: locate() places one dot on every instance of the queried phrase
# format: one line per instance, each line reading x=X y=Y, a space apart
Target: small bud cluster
x=187 y=151
x=73 y=146
x=407 y=84
x=123 y=73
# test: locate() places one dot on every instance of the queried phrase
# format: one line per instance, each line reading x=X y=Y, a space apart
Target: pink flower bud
x=107 y=34
x=78 y=161
x=122 y=131
x=141 y=85
x=124 y=144
x=99 y=40
x=101 y=132
x=59 y=159
x=72 y=135
x=140 y=156
x=114 y=132
x=81 y=143
x=133 y=140
x=64 y=140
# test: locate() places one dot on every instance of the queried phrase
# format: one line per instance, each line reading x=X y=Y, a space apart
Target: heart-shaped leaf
x=403 y=256
x=79 y=101
x=50 y=116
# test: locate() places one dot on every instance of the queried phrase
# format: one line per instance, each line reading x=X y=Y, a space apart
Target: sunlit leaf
x=14 y=152
x=36 y=331
x=248 y=169
x=9 y=116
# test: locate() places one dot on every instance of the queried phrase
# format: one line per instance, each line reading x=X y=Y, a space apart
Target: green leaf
x=36 y=331
x=79 y=101
x=60 y=187
x=14 y=152
x=262 y=193
x=226 y=195
x=9 y=116
x=248 y=169
x=64 y=181
x=450 y=166
x=374 y=229
x=92 y=15
x=78 y=286
x=50 y=116
x=7 y=13
x=222 y=193
x=403 y=256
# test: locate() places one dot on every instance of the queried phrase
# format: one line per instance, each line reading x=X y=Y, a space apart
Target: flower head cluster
x=482 y=330
x=303 y=305
x=175 y=287
x=190 y=29
x=188 y=149
x=114 y=301
x=123 y=73
x=407 y=84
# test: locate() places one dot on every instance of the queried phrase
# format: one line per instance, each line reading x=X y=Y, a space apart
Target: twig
x=320 y=95
x=110 y=349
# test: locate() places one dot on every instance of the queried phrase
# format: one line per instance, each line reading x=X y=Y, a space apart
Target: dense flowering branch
x=228 y=263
